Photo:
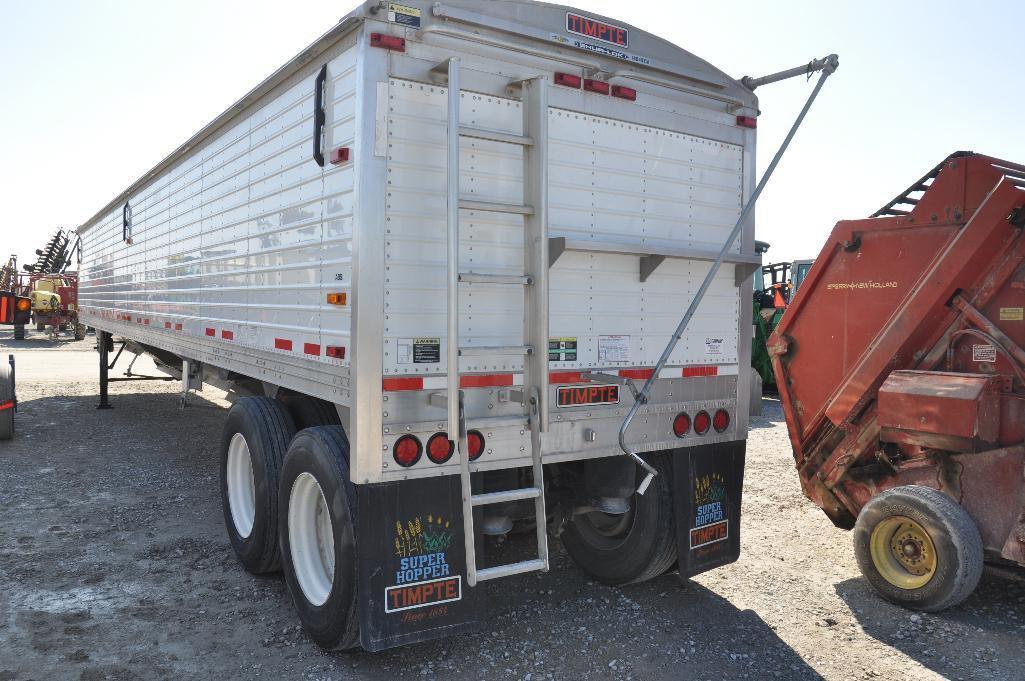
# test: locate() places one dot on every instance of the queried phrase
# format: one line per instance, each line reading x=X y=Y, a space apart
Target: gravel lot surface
x=114 y=564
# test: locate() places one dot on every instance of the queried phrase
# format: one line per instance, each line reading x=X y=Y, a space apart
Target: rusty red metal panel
x=941 y=410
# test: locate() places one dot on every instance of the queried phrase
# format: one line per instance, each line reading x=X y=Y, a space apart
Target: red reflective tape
x=693 y=372
x=210 y=332
x=395 y=384
x=167 y=325
x=227 y=335
x=4 y=406
x=643 y=374
x=177 y=327
x=282 y=344
x=311 y=349
x=565 y=377
x=145 y=322
x=485 y=380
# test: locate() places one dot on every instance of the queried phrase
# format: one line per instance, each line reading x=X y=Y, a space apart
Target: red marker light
x=624 y=92
x=747 y=121
x=388 y=42
x=599 y=86
x=568 y=80
x=702 y=422
x=681 y=424
x=475 y=442
x=440 y=448
x=407 y=450
x=721 y=421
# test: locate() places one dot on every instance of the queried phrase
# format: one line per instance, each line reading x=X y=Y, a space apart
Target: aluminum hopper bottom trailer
x=460 y=217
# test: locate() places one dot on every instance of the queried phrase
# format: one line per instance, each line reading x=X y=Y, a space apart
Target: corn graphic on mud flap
x=412 y=563
x=708 y=485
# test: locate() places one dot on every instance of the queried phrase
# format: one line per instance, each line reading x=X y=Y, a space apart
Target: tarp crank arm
x=827 y=66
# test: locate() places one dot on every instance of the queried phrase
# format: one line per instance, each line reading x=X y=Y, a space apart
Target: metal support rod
x=828 y=66
x=104 y=340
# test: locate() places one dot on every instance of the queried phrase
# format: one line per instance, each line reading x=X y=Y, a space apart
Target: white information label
x=613 y=348
x=984 y=353
x=404 y=353
x=713 y=346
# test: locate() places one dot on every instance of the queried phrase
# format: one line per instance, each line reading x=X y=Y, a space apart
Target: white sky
x=96 y=92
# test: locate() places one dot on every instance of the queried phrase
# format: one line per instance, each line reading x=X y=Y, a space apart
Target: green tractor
x=772 y=295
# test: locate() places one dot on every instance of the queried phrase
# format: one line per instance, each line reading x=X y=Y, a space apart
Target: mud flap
x=708 y=483
x=412 y=563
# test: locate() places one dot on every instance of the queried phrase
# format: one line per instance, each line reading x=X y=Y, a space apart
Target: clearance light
x=702 y=422
x=721 y=421
x=568 y=80
x=747 y=121
x=440 y=448
x=388 y=42
x=624 y=92
x=340 y=155
x=475 y=443
x=337 y=298
x=407 y=450
x=681 y=424
x=599 y=86
x=336 y=351
x=23 y=304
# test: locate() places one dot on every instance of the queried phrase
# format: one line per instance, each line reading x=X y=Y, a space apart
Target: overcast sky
x=95 y=93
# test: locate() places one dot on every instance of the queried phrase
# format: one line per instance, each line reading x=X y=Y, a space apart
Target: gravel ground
x=114 y=564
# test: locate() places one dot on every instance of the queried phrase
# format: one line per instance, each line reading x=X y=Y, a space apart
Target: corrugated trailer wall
x=240 y=241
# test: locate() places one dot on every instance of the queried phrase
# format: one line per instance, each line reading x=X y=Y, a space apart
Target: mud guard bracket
x=708 y=482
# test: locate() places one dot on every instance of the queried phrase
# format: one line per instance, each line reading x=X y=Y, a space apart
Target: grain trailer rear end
x=901 y=368
x=438 y=248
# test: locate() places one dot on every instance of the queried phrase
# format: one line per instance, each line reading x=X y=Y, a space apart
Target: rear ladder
x=534 y=282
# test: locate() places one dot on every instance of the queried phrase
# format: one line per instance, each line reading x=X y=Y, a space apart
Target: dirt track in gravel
x=114 y=564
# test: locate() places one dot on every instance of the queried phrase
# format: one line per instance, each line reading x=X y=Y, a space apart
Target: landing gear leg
x=106 y=343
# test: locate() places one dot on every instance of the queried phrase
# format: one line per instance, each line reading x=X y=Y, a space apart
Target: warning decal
x=1012 y=314
x=403 y=14
x=418 y=351
x=984 y=353
x=562 y=349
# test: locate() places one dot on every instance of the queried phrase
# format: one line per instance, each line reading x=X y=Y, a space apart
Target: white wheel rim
x=241 y=486
x=311 y=539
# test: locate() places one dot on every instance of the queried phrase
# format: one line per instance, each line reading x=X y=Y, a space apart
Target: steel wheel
x=241 y=485
x=903 y=552
x=312 y=539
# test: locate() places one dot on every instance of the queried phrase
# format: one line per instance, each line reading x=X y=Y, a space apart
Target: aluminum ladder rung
x=495 y=207
x=511 y=569
x=478 y=278
x=506 y=350
x=503 y=497
x=495 y=136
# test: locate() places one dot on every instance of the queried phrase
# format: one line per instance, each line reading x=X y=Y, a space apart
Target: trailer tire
x=19 y=332
x=6 y=397
x=635 y=547
x=308 y=412
x=253 y=445
x=318 y=536
x=896 y=533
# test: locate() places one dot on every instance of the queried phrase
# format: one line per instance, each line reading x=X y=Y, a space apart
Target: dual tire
x=6 y=401
x=289 y=505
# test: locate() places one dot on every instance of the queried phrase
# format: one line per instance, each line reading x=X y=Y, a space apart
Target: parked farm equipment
x=50 y=287
x=901 y=369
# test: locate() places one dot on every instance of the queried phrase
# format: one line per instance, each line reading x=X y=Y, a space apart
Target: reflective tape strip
x=282 y=344
x=4 y=406
x=3 y=309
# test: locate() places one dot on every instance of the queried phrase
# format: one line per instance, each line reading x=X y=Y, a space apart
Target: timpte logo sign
x=710 y=524
x=587 y=395
x=424 y=576
x=599 y=30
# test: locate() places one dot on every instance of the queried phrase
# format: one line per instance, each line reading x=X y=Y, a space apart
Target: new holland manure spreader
x=446 y=251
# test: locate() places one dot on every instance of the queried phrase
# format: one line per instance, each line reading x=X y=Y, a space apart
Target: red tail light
x=599 y=86
x=624 y=92
x=440 y=448
x=568 y=79
x=681 y=424
x=702 y=422
x=475 y=442
x=388 y=42
x=721 y=421
x=747 y=121
x=407 y=450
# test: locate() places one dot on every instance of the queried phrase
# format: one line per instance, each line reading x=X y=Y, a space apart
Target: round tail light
x=681 y=424
x=440 y=448
x=702 y=422
x=407 y=450
x=721 y=420
x=23 y=304
x=475 y=443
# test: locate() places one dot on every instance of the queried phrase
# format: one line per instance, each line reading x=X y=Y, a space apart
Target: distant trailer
x=480 y=219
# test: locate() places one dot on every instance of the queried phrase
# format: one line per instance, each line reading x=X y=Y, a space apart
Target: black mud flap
x=412 y=563
x=708 y=483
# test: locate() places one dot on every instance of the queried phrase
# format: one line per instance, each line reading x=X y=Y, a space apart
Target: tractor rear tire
x=918 y=548
x=40 y=326
x=309 y=412
x=19 y=332
x=253 y=445
x=79 y=332
x=318 y=536
x=6 y=401
x=630 y=548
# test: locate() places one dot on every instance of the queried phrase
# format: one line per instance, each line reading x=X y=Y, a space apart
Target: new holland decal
x=424 y=576
x=710 y=524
